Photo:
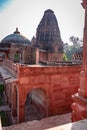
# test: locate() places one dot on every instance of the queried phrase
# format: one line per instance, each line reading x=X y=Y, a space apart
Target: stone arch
x=36 y=106
x=14 y=103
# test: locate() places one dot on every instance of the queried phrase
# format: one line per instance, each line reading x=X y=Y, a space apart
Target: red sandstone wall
x=58 y=82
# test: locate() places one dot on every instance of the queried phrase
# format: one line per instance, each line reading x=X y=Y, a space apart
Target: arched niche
x=14 y=103
x=36 y=106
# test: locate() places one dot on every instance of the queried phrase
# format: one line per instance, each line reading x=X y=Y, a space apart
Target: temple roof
x=48 y=35
x=16 y=37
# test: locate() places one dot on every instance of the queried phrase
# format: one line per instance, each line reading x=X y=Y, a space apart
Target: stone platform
x=51 y=123
x=45 y=123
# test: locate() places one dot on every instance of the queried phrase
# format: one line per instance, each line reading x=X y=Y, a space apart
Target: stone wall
x=24 y=53
x=50 y=56
x=59 y=83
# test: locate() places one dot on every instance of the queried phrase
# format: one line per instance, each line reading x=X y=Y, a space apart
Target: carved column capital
x=84 y=4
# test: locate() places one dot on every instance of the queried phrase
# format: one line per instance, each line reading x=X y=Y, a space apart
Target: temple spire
x=48 y=34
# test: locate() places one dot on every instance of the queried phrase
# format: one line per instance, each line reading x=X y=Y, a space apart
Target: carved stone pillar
x=80 y=99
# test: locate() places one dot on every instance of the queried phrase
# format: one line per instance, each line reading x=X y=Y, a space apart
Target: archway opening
x=36 y=106
x=14 y=102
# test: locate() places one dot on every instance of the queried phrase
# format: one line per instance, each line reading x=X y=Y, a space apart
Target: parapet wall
x=60 y=83
x=12 y=68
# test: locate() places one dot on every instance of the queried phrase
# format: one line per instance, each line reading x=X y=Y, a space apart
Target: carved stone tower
x=80 y=99
x=48 y=34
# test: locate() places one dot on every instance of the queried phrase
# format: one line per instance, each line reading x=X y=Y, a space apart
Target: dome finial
x=17 y=32
x=17 y=29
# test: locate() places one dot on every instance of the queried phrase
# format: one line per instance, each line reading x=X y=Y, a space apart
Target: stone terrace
x=42 y=124
x=52 y=123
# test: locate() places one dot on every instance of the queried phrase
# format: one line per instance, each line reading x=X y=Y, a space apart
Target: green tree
x=75 y=40
x=1 y=87
x=65 y=57
x=71 y=49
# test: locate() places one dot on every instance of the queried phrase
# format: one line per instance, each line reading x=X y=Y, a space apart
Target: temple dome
x=16 y=37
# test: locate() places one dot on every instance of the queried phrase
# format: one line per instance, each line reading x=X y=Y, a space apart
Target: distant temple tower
x=48 y=38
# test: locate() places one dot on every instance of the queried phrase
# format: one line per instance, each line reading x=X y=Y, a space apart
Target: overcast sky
x=26 y=15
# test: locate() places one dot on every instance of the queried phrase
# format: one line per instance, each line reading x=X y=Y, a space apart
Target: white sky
x=26 y=15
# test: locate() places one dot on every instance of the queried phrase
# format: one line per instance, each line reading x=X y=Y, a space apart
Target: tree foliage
x=1 y=87
x=71 y=49
x=65 y=57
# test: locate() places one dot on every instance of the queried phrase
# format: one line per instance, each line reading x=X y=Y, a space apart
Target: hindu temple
x=48 y=38
x=36 y=86
x=46 y=47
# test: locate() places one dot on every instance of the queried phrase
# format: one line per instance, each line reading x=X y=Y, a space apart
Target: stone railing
x=11 y=67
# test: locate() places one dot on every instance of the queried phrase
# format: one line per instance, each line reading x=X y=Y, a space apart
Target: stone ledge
x=43 y=124
x=36 y=125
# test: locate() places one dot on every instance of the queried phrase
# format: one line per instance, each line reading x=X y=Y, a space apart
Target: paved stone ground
x=51 y=123
x=80 y=125
x=42 y=124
